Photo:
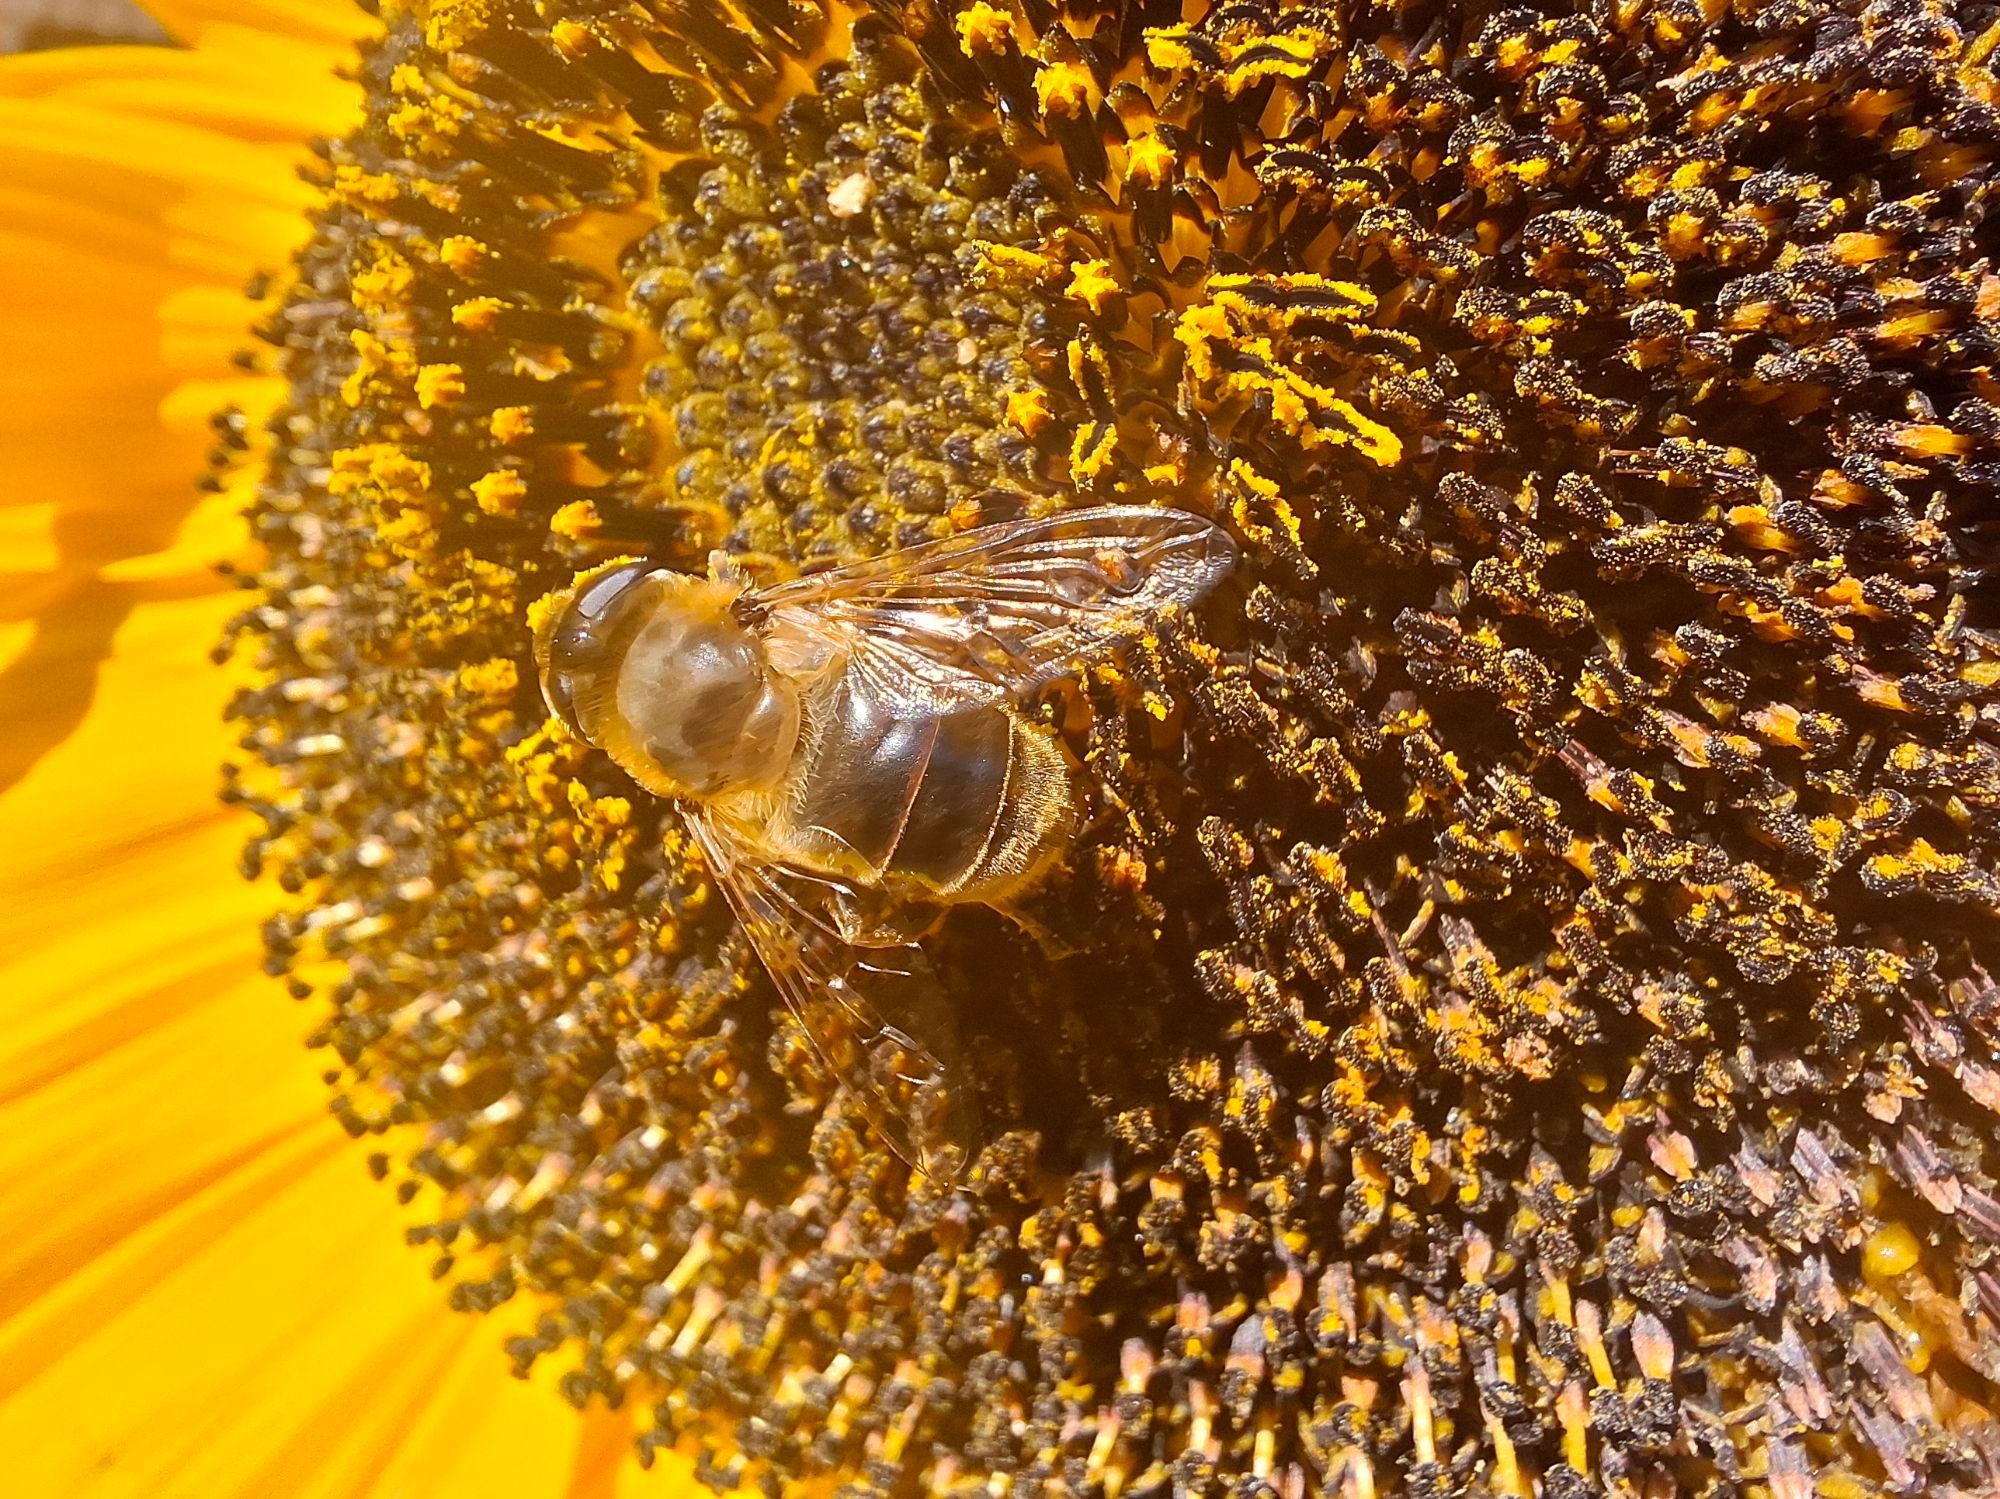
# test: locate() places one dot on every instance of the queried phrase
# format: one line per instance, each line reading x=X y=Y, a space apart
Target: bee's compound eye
x=584 y=647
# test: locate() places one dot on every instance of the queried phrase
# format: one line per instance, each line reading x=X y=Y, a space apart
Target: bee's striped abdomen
x=965 y=803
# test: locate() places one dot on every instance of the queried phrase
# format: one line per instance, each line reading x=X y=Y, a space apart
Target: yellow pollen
x=500 y=492
x=440 y=385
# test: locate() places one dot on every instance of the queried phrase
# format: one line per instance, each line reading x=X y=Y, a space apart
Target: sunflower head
x=1530 y=1029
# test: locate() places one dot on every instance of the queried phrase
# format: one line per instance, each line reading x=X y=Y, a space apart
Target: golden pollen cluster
x=1533 y=1028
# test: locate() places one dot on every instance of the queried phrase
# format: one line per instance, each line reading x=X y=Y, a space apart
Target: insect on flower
x=850 y=751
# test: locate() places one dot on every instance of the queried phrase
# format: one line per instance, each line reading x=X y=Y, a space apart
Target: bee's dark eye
x=585 y=643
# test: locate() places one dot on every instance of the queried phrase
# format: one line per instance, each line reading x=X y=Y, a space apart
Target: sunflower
x=1530 y=1025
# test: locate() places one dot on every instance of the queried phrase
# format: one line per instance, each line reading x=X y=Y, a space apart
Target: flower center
x=832 y=371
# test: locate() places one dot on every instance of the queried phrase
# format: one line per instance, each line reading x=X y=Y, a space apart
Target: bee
x=852 y=753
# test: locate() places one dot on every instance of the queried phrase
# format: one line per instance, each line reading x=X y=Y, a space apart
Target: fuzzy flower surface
x=1528 y=1025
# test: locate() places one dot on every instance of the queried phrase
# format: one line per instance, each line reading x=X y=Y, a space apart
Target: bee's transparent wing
x=1002 y=610
x=844 y=964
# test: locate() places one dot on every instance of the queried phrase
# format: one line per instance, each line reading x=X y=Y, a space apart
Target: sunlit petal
x=332 y=25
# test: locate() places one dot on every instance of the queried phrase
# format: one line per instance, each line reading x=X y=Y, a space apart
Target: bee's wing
x=1001 y=610
x=840 y=967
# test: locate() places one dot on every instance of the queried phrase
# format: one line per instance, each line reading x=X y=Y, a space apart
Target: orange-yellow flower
x=1532 y=1026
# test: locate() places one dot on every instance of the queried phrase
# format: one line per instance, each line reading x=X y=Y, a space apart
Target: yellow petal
x=139 y=189
x=125 y=211
x=245 y=84
x=271 y=1336
x=51 y=667
x=27 y=544
x=73 y=152
x=200 y=1290
x=214 y=532
x=334 y=24
x=139 y=775
x=79 y=422
x=114 y=220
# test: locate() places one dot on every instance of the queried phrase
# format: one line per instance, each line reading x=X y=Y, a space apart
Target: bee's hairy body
x=772 y=729
x=850 y=752
x=972 y=803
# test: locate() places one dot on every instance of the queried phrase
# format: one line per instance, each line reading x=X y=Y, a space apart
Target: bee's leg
x=867 y=917
x=1052 y=944
x=749 y=570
